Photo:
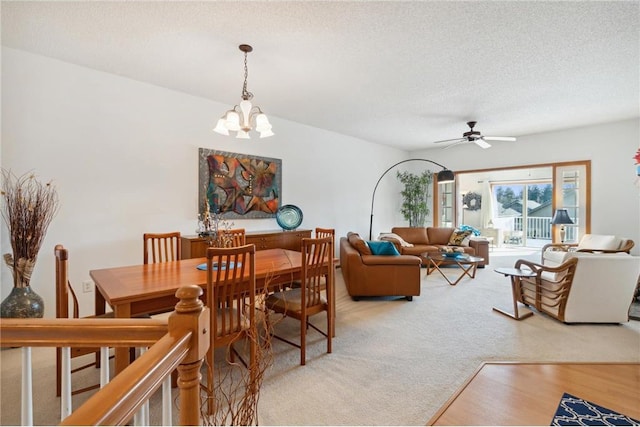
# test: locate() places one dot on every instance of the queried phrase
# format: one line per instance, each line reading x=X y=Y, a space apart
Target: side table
x=514 y=274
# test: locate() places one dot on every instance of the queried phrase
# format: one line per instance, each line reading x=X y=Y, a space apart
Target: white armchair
x=592 y=243
x=603 y=285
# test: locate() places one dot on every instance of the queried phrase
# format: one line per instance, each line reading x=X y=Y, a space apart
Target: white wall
x=124 y=157
x=615 y=188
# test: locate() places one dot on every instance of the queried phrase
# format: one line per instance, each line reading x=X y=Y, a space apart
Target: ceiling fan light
x=221 y=128
x=482 y=143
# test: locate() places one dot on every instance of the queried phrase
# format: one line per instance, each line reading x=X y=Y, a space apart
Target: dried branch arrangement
x=28 y=208
x=236 y=390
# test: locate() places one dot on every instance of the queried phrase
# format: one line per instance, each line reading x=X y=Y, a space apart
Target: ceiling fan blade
x=450 y=140
x=482 y=143
x=499 y=138
x=459 y=141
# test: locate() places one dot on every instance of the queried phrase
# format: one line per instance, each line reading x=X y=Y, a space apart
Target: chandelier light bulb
x=221 y=127
x=233 y=121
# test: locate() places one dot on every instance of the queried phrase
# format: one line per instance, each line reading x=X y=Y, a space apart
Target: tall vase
x=22 y=302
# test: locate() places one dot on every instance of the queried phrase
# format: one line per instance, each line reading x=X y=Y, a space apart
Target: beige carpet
x=394 y=362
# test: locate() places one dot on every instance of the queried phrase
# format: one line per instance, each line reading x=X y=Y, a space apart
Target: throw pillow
x=458 y=236
x=382 y=247
x=358 y=243
x=394 y=236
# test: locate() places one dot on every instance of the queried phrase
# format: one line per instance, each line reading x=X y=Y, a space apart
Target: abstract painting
x=239 y=185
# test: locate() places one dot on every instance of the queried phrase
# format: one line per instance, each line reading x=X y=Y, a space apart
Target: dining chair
x=64 y=297
x=308 y=300
x=231 y=298
x=326 y=232
x=161 y=247
x=237 y=237
x=319 y=234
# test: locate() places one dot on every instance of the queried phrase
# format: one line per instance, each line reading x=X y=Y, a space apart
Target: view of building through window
x=527 y=207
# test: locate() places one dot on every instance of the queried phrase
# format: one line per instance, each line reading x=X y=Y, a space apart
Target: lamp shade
x=445 y=176
x=561 y=217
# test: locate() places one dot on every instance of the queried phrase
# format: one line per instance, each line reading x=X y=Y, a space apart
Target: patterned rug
x=573 y=411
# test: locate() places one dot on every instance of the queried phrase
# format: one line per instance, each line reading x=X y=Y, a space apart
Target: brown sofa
x=377 y=275
x=433 y=239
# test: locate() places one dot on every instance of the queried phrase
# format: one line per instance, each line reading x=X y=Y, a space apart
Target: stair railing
x=183 y=346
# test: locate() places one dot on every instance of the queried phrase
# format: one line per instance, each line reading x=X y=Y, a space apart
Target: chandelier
x=244 y=117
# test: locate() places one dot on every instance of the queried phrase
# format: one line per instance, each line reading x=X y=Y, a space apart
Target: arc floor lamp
x=444 y=176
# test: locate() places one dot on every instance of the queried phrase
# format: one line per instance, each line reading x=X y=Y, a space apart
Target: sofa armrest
x=390 y=260
x=481 y=248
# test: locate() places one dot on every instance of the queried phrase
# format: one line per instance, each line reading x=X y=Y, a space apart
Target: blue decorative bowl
x=289 y=217
x=451 y=254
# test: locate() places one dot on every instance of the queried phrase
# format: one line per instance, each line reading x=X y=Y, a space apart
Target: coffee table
x=514 y=274
x=468 y=265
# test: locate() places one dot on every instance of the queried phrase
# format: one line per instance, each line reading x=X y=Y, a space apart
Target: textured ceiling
x=398 y=73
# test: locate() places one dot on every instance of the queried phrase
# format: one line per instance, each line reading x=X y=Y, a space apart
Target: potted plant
x=415 y=196
x=27 y=209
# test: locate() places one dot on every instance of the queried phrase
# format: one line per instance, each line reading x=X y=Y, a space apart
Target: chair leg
x=209 y=388
x=58 y=372
x=303 y=340
x=329 y=329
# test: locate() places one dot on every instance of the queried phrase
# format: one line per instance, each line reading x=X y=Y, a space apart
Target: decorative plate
x=203 y=266
x=289 y=217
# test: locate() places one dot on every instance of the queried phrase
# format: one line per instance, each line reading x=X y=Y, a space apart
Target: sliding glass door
x=518 y=203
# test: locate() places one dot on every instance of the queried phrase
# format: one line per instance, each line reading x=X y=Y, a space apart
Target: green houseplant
x=415 y=196
x=28 y=206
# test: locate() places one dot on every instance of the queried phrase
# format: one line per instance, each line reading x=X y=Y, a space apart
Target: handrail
x=183 y=345
x=81 y=332
x=119 y=400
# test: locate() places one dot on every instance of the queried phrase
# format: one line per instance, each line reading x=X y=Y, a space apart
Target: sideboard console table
x=196 y=246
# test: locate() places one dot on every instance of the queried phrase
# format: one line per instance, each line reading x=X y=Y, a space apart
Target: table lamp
x=561 y=217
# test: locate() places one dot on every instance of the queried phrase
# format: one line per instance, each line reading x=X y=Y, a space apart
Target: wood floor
x=529 y=393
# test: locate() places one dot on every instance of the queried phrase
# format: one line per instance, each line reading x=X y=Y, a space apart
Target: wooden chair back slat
x=237 y=237
x=547 y=295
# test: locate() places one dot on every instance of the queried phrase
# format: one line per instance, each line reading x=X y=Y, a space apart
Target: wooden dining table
x=150 y=288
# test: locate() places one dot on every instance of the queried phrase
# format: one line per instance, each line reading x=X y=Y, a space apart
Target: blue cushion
x=381 y=247
x=473 y=230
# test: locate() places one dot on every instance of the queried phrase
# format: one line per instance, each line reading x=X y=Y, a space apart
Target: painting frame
x=239 y=186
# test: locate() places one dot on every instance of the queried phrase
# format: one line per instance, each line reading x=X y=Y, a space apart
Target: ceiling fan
x=475 y=137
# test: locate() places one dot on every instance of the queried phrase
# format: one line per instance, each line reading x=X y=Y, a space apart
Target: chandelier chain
x=246 y=95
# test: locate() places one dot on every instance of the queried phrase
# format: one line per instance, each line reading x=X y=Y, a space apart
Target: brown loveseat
x=433 y=239
x=377 y=275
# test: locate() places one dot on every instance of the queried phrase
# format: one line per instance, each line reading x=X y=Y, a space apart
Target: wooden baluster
x=190 y=314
